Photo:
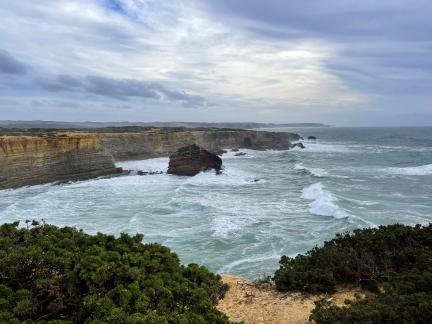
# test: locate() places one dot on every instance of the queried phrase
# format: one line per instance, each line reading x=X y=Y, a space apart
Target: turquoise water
x=265 y=204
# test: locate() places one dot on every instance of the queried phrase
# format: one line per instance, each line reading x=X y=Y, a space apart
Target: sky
x=340 y=62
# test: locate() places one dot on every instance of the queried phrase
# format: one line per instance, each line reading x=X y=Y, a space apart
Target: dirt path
x=253 y=304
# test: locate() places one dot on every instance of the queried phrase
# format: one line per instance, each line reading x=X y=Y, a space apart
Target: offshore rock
x=144 y=173
x=192 y=159
x=220 y=152
x=301 y=145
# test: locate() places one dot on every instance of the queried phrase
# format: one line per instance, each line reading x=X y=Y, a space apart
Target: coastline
x=30 y=159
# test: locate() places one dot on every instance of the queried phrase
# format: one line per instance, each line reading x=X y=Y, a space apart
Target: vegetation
x=404 y=299
x=35 y=131
x=52 y=131
x=367 y=257
x=394 y=262
x=62 y=275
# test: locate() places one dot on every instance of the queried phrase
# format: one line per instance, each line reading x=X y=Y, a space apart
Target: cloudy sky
x=342 y=62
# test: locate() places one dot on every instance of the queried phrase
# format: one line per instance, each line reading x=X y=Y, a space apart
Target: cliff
x=163 y=141
x=28 y=160
x=78 y=155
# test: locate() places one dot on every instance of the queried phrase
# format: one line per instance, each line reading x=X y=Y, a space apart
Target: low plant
x=63 y=275
x=367 y=257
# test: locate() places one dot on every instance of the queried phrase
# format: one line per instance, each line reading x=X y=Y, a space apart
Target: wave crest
x=316 y=172
x=323 y=202
x=417 y=170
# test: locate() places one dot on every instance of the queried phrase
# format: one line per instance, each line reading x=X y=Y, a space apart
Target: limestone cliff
x=163 y=142
x=29 y=160
x=78 y=155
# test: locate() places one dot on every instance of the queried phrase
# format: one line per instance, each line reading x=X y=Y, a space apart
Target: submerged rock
x=240 y=154
x=234 y=150
x=301 y=145
x=219 y=152
x=192 y=159
x=143 y=173
x=312 y=138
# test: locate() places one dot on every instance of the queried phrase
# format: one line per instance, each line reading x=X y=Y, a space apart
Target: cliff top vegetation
x=63 y=275
x=393 y=262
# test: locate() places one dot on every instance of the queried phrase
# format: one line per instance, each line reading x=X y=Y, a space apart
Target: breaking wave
x=316 y=172
x=418 y=170
x=323 y=202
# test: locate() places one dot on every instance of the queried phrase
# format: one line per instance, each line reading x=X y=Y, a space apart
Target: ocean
x=265 y=204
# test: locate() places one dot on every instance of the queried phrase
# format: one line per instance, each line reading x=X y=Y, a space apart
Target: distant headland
x=90 y=124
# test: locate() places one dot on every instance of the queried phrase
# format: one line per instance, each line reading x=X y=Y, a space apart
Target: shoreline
x=31 y=159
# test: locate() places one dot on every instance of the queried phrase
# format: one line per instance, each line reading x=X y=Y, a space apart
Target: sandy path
x=254 y=304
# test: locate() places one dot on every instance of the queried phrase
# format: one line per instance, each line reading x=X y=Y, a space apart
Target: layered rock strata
x=28 y=160
x=163 y=142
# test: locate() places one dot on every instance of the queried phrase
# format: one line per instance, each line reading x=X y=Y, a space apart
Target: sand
x=256 y=304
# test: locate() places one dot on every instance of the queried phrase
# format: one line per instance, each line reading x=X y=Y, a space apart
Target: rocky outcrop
x=312 y=138
x=164 y=142
x=191 y=160
x=29 y=160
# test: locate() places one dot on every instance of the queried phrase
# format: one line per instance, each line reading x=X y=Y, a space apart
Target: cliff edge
x=78 y=155
x=30 y=160
x=158 y=142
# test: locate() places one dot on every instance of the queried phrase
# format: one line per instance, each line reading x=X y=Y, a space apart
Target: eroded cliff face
x=28 y=160
x=161 y=142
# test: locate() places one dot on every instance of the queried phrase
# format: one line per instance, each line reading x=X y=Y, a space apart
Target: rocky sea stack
x=191 y=160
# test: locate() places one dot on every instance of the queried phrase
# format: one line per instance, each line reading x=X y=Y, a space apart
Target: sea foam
x=417 y=170
x=150 y=165
x=311 y=147
x=323 y=202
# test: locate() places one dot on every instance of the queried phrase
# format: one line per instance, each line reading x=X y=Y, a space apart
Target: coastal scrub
x=63 y=275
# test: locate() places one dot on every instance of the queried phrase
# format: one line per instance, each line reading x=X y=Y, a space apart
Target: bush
x=370 y=256
x=405 y=299
x=394 y=261
x=62 y=275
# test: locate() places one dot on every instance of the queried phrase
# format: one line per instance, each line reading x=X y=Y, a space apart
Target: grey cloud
x=118 y=89
x=10 y=65
x=382 y=47
x=368 y=19
x=387 y=69
x=60 y=83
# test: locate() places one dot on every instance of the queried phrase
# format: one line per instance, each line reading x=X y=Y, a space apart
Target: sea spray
x=323 y=202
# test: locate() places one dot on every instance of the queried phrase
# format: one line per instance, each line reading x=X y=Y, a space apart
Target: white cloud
x=178 y=44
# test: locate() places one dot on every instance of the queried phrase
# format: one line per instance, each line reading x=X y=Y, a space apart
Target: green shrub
x=62 y=275
x=367 y=256
x=404 y=299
